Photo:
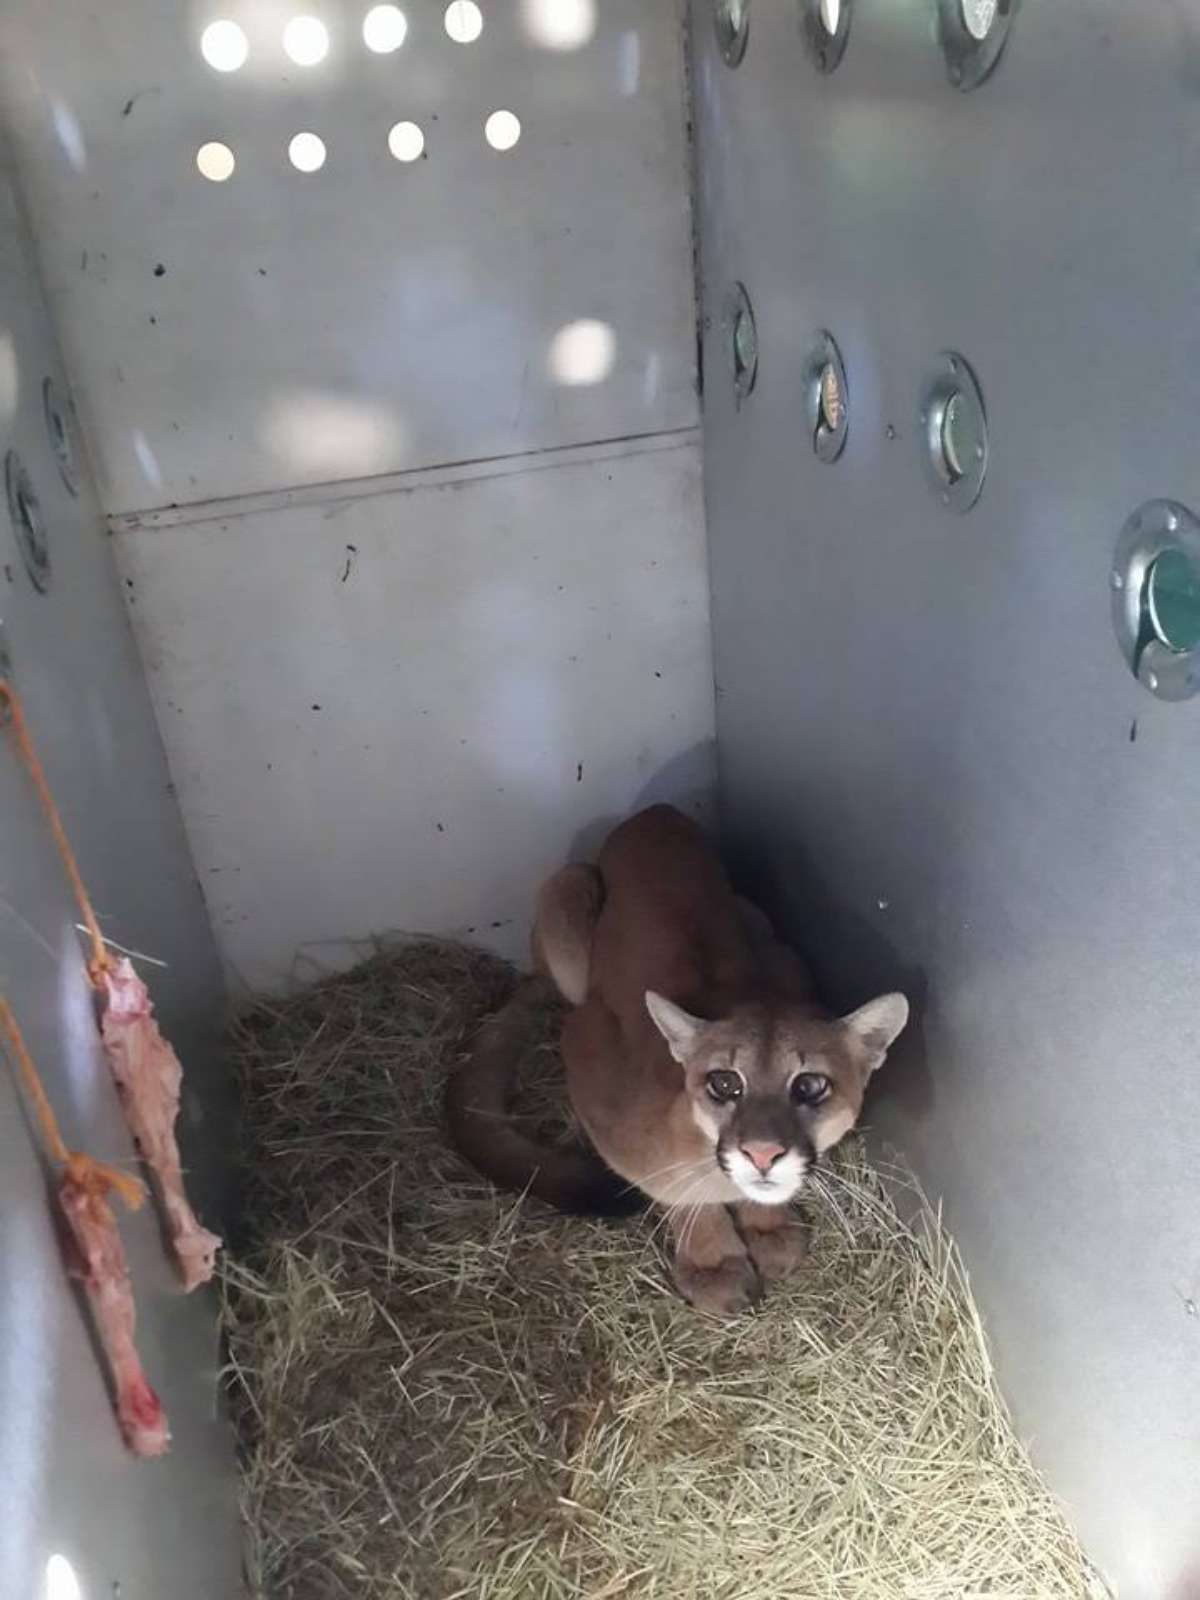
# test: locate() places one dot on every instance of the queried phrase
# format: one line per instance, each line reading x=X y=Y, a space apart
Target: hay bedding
x=441 y=1393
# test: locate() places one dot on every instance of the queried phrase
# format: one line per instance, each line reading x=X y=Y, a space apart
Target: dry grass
x=442 y=1393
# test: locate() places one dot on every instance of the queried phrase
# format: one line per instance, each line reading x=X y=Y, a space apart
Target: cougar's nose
x=763 y=1154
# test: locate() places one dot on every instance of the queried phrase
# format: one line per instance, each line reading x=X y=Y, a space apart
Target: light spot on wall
x=146 y=458
x=61 y=1582
x=502 y=130
x=582 y=352
x=559 y=24
x=69 y=134
x=306 y=152
x=629 y=63
x=464 y=21
x=323 y=434
x=384 y=29
x=224 y=46
x=406 y=141
x=215 y=161
x=306 y=41
x=10 y=379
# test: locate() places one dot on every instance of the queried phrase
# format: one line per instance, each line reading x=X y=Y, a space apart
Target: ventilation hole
x=384 y=29
x=831 y=398
x=61 y=1582
x=215 y=161
x=306 y=41
x=1173 y=600
x=464 y=21
x=306 y=152
x=559 y=24
x=406 y=141
x=831 y=14
x=224 y=46
x=582 y=352
x=978 y=16
x=502 y=130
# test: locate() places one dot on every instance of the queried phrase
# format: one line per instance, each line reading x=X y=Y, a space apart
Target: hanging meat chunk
x=148 y=1078
x=104 y=1272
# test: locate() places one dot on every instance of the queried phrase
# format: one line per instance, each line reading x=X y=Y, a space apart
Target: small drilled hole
x=215 y=161
x=224 y=46
x=384 y=29
x=831 y=405
x=306 y=41
x=831 y=15
x=306 y=152
x=502 y=130
x=1172 y=601
x=406 y=141
x=464 y=21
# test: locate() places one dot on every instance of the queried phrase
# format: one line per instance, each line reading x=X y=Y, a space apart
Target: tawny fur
x=678 y=985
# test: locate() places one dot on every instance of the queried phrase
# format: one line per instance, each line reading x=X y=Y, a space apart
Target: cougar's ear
x=876 y=1026
x=677 y=1026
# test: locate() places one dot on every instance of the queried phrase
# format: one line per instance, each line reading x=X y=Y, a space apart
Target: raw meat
x=148 y=1077
x=82 y=1192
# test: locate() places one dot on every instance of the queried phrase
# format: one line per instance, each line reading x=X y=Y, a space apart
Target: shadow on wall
x=688 y=781
x=848 y=956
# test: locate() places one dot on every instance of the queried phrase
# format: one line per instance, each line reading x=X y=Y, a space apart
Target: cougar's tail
x=477 y=1100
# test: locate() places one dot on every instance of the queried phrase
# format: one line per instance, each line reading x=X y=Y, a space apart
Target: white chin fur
x=775 y=1188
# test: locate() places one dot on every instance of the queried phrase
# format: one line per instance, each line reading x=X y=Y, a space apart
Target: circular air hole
x=306 y=152
x=306 y=41
x=1173 y=600
x=1156 y=598
x=972 y=34
x=741 y=330
x=464 y=21
x=825 y=26
x=61 y=1582
x=29 y=528
x=731 y=19
x=954 y=428
x=224 y=46
x=978 y=17
x=559 y=24
x=582 y=352
x=502 y=130
x=384 y=29
x=827 y=399
x=59 y=436
x=406 y=142
x=215 y=161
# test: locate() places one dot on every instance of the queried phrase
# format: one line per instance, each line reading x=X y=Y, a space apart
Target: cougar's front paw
x=780 y=1251
x=731 y=1286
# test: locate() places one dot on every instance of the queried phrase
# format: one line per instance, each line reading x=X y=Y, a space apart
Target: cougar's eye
x=723 y=1086
x=809 y=1088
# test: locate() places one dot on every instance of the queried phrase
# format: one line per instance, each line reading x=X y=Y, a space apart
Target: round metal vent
x=27 y=523
x=731 y=18
x=58 y=432
x=827 y=398
x=1155 y=583
x=955 y=434
x=740 y=329
x=972 y=34
x=825 y=25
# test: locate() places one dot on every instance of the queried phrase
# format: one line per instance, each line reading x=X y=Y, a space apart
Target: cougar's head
x=772 y=1087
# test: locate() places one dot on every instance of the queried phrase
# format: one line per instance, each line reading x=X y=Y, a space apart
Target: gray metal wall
x=126 y=1527
x=932 y=753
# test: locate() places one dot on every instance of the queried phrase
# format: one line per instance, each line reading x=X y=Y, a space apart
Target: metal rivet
x=1172 y=522
x=1152 y=680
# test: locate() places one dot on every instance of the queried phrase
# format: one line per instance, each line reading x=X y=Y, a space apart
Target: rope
x=100 y=962
x=95 y=1176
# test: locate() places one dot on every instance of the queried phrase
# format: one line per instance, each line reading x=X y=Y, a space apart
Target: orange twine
x=95 y=1176
x=100 y=962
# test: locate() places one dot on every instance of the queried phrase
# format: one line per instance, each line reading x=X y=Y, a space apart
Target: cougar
x=700 y=1063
